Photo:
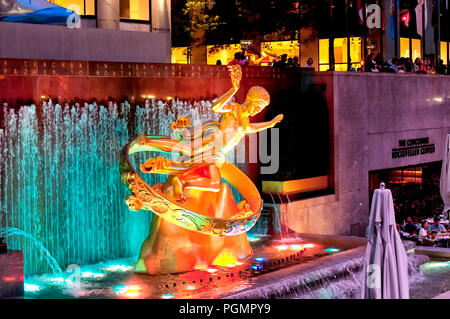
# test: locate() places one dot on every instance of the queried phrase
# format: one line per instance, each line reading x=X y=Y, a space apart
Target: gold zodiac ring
x=147 y=197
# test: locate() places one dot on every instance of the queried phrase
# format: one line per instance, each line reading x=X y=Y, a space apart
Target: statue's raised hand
x=236 y=75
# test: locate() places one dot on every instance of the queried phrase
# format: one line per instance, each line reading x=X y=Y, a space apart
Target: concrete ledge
x=433 y=252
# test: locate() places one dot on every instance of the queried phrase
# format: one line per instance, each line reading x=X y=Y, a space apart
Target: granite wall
x=369 y=115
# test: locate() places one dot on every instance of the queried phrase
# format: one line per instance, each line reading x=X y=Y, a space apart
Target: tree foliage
x=247 y=19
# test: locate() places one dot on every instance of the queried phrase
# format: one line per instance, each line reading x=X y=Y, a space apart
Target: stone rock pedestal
x=11 y=274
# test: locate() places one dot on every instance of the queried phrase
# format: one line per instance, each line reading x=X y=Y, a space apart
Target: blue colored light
x=119 y=290
x=259 y=259
x=255 y=267
x=332 y=250
x=167 y=296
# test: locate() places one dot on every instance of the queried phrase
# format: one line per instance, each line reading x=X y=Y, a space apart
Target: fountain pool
x=116 y=278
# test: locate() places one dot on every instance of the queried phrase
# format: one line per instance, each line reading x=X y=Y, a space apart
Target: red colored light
x=9 y=279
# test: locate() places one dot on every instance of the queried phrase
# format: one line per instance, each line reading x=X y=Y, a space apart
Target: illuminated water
x=59 y=179
x=116 y=279
x=9 y=231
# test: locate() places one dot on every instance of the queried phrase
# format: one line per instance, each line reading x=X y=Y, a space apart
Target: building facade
x=348 y=30
x=106 y=30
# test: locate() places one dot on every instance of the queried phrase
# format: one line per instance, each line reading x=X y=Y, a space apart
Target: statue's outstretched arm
x=220 y=105
x=257 y=127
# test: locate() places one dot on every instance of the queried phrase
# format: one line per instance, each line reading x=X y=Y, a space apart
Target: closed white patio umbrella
x=385 y=273
x=445 y=177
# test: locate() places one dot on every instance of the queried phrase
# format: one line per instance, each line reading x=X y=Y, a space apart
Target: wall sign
x=413 y=147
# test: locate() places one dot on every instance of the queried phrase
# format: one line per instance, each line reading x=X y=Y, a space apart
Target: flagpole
x=438 y=40
x=363 y=4
x=381 y=27
x=397 y=30
x=423 y=28
x=347 y=31
x=331 y=40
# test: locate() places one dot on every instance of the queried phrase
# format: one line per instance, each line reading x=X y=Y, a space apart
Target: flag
x=360 y=12
x=421 y=16
x=392 y=23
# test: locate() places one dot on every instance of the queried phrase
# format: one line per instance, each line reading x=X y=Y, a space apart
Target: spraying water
x=59 y=177
x=10 y=231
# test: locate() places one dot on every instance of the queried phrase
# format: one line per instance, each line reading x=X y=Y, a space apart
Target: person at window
x=407 y=64
x=440 y=67
x=282 y=63
x=371 y=64
x=417 y=66
x=242 y=59
x=437 y=226
x=309 y=63
x=218 y=62
x=379 y=61
x=429 y=69
x=295 y=62
x=237 y=58
x=290 y=63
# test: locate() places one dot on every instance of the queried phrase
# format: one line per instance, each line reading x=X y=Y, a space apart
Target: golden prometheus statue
x=197 y=222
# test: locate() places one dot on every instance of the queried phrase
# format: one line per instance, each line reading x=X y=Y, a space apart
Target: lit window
x=416 y=48
x=340 y=53
x=415 y=51
x=444 y=55
x=323 y=54
x=179 y=55
x=404 y=47
x=135 y=9
x=82 y=7
x=278 y=48
x=224 y=53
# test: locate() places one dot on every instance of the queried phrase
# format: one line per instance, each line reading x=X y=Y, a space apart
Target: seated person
x=402 y=233
x=423 y=233
x=433 y=238
x=437 y=226
x=410 y=228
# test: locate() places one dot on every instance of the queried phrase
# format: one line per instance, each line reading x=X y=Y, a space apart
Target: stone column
x=161 y=23
x=108 y=14
x=161 y=17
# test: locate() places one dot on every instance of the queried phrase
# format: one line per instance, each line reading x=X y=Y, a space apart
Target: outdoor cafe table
x=444 y=237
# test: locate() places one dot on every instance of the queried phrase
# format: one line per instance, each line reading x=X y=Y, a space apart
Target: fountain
x=60 y=189
x=197 y=221
x=10 y=231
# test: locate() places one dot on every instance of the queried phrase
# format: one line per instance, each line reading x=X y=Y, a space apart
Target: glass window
x=135 y=9
x=416 y=48
x=277 y=48
x=444 y=56
x=323 y=54
x=355 y=50
x=415 y=51
x=404 y=47
x=340 y=53
x=179 y=55
x=82 y=7
x=224 y=53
